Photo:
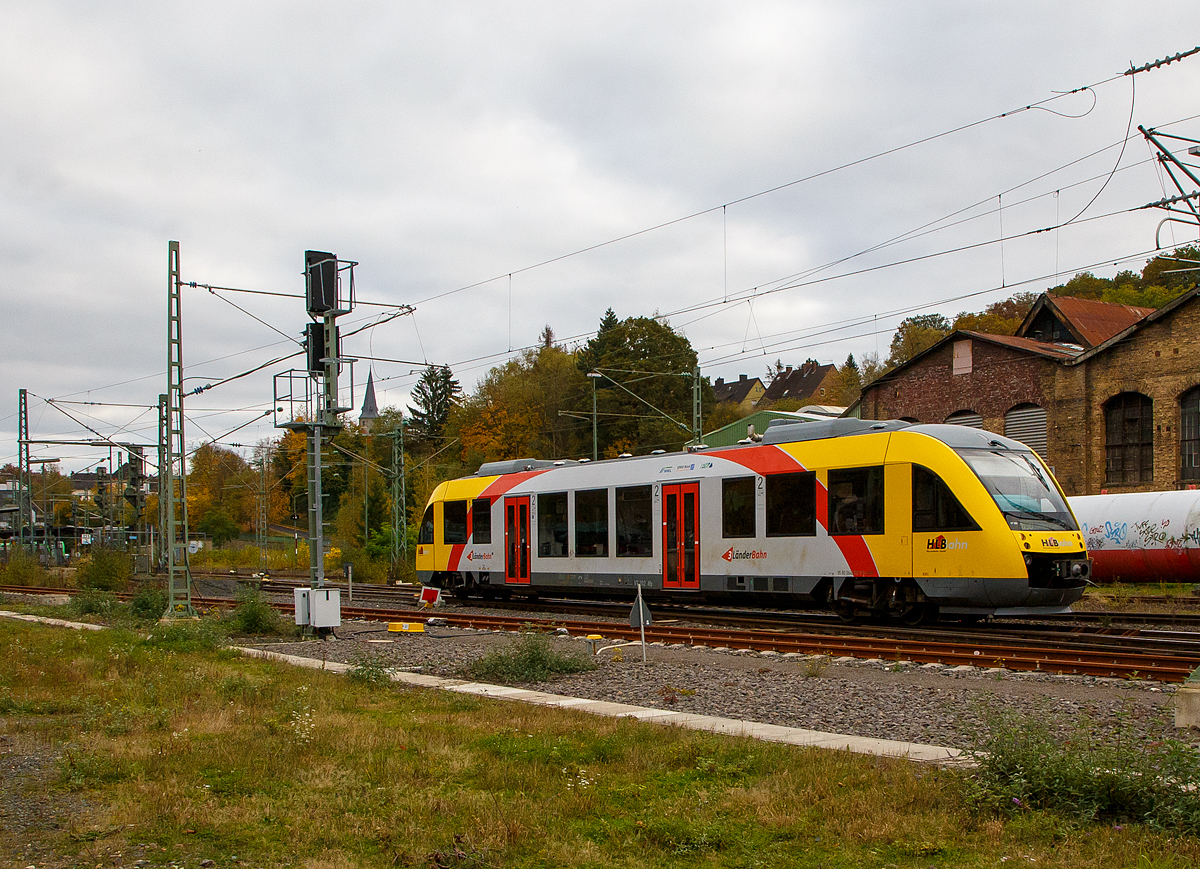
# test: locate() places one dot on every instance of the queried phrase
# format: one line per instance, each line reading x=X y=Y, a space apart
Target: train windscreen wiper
x=1040 y=517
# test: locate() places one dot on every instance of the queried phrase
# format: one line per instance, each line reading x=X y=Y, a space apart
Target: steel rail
x=1166 y=664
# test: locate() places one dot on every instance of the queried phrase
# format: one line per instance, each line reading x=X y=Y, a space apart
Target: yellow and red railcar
x=882 y=518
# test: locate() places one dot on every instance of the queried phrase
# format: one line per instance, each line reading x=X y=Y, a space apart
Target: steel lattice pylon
x=25 y=477
x=173 y=473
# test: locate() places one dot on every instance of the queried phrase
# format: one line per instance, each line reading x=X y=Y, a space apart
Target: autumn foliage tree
x=221 y=490
x=518 y=409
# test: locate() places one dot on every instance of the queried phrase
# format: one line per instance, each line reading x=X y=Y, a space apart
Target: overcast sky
x=447 y=145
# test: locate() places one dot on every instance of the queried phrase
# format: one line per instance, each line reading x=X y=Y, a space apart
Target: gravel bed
x=928 y=704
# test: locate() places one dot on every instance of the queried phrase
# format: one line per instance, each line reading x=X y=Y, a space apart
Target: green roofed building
x=738 y=431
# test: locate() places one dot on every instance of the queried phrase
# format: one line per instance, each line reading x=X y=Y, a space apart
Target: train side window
x=425 y=535
x=552 y=525
x=737 y=507
x=481 y=521
x=856 y=501
x=454 y=522
x=792 y=505
x=934 y=506
x=591 y=523
x=634 y=522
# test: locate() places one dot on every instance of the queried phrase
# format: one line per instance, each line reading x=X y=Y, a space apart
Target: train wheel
x=919 y=613
x=846 y=611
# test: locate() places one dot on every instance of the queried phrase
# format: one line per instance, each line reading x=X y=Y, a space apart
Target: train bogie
x=868 y=518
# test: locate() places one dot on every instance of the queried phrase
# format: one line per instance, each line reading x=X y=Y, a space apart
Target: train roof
x=786 y=432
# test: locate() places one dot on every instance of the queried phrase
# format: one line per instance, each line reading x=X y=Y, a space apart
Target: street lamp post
x=594 y=375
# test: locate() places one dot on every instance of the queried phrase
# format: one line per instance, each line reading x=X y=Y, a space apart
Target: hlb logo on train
x=940 y=542
x=1051 y=542
x=739 y=554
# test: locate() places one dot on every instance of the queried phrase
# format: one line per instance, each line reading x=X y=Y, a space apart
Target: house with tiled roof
x=745 y=392
x=1108 y=394
x=811 y=383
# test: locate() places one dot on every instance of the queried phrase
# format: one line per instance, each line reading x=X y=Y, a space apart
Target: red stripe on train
x=773 y=460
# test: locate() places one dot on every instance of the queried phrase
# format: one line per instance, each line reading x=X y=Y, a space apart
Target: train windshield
x=1022 y=489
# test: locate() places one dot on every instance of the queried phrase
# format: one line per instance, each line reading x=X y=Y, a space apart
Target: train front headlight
x=1028 y=560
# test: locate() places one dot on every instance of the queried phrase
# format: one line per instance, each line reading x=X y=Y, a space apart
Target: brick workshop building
x=1108 y=394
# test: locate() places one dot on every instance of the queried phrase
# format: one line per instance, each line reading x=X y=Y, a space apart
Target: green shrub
x=148 y=603
x=253 y=615
x=1026 y=763
x=106 y=570
x=24 y=569
x=530 y=659
x=94 y=602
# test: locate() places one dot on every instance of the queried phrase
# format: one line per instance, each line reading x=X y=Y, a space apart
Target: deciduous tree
x=915 y=335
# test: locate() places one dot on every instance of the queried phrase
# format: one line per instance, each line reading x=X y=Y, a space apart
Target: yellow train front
x=871 y=518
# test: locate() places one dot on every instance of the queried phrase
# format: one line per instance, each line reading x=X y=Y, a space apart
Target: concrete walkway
x=728 y=726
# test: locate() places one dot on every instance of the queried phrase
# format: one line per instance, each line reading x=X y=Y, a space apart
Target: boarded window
x=792 y=505
x=1027 y=423
x=1189 y=435
x=1129 y=438
x=634 y=522
x=591 y=523
x=856 y=501
x=454 y=522
x=934 y=506
x=481 y=521
x=552 y=525
x=962 y=357
x=737 y=507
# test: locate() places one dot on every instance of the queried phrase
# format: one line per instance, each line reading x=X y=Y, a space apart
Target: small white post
x=641 y=621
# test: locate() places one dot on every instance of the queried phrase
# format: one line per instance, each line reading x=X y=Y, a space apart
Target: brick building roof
x=800 y=383
x=1085 y=322
x=735 y=391
x=1041 y=348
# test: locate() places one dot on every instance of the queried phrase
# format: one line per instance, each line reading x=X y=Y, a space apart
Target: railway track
x=1130 y=653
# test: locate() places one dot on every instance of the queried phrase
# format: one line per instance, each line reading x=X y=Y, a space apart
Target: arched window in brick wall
x=1189 y=435
x=1129 y=438
x=1027 y=423
x=965 y=417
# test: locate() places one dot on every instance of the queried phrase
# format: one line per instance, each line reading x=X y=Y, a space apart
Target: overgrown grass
x=369 y=670
x=531 y=658
x=211 y=756
x=1025 y=763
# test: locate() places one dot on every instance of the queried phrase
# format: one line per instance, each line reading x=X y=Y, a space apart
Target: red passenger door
x=516 y=540
x=681 y=543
